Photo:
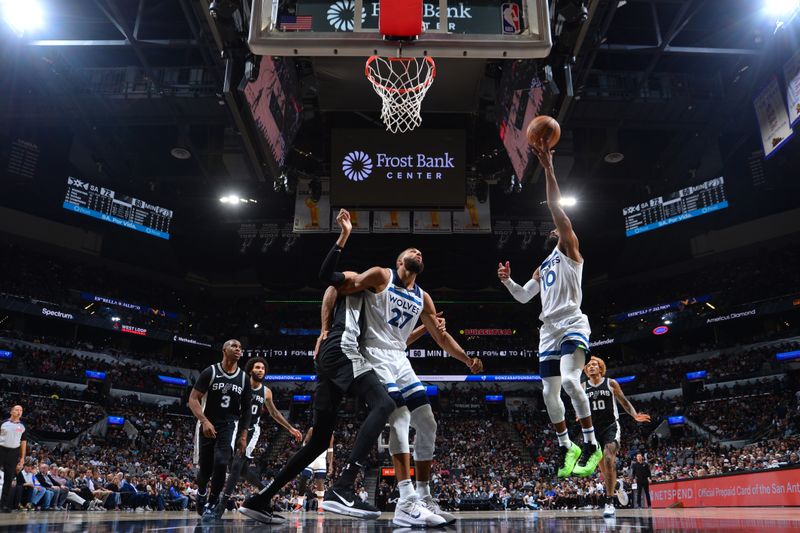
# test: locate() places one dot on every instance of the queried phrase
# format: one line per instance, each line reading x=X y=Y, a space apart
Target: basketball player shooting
x=604 y=394
x=564 y=335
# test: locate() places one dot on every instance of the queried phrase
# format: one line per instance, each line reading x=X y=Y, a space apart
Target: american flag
x=295 y=23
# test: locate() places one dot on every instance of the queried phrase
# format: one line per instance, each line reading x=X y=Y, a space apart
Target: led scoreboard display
x=684 y=204
x=110 y=206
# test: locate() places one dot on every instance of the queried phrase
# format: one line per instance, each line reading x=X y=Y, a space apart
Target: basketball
x=544 y=127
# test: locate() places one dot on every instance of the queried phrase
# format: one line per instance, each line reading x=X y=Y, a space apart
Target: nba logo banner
x=510 y=19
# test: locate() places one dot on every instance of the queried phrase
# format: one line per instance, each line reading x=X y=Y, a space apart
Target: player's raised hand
x=475 y=365
x=441 y=323
x=642 y=417
x=343 y=219
x=504 y=271
x=544 y=154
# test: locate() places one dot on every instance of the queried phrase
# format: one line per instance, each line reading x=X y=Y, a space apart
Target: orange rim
x=417 y=88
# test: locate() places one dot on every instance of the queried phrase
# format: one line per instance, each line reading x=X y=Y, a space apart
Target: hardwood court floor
x=719 y=520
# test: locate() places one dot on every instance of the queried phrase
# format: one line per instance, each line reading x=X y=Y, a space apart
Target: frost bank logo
x=357 y=166
x=341 y=15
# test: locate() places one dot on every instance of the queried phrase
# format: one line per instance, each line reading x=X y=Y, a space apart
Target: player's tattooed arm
x=445 y=341
x=626 y=403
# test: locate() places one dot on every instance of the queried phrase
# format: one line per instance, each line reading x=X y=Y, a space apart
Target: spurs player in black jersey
x=220 y=400
x=257 y=368
x=604 y=394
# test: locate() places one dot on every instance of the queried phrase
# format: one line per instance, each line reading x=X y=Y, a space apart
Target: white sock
x=423 y=489
x=406 y=489
x=588 y=435
x=563 y=439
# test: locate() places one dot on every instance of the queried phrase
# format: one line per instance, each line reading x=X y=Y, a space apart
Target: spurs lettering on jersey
x=225 y=388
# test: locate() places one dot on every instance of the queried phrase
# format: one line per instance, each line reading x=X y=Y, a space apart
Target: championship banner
x=433 y=222
x=475 y=218
x=772 y=118
x=791 y=71
x=391 y=221
x=359 y=219
x=310 y=215
x=774 y=488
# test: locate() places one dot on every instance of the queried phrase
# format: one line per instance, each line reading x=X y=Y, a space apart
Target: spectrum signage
x=375 y=169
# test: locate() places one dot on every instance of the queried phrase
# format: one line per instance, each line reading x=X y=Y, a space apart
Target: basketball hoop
x=402 y=83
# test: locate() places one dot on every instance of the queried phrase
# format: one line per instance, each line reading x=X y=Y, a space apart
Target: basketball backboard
x=516 y=29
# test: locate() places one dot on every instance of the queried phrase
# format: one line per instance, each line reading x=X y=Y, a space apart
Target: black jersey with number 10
x=225 y=395
x=602 y=404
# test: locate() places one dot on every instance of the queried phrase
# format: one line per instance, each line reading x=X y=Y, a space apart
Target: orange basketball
x=544 y=128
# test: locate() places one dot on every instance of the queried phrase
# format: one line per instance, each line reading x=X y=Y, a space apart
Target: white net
x=402 y=83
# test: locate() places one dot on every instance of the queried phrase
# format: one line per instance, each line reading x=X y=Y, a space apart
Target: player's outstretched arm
x=419 y=331
x=626 y=403
x=522 y=294
x=328 y=273
x=276 y=415
x=569 y=241
x=445 y=341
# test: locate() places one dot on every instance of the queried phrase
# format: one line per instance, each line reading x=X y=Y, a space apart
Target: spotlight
x=781 y=8
x=255 y=326
x=568 y=201
x=22 y=16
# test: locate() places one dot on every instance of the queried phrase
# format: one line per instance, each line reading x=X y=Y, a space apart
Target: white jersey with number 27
x=391 y=315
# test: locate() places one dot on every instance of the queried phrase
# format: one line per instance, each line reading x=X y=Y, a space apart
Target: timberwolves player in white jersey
x=604 y=394
x=393 y=303
x=564 y=335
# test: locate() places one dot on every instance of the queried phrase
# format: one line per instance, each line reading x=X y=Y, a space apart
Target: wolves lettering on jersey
x=391 y=315
x=602 y=403
x=560 y=286
x=257 y=405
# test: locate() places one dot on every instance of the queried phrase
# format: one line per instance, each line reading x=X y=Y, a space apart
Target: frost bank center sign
x=374 y=169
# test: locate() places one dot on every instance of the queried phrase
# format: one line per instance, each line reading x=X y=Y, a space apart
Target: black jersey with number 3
x=226 y=396
x=257 y=402
x=602 y=404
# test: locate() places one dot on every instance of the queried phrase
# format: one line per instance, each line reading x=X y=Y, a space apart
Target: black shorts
x=609 y=434
x=337 y=370
x=218 y=450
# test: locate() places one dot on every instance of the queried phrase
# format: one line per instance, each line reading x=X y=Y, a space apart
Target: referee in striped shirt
x=13 y=444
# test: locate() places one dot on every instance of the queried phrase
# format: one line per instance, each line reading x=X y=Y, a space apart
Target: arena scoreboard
x=681 y=205
x=108 y=205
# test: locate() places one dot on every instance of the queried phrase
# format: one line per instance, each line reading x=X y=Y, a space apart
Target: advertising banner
x=791 y=71
x=761 y=489
x=375 y=169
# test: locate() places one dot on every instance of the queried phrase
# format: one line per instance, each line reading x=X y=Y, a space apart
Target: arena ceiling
x=110 y=87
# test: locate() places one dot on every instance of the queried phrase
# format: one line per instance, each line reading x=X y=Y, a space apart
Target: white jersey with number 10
x=560 y=286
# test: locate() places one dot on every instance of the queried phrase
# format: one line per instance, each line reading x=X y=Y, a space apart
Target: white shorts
x=251 y=446
x=395 y=372
x=318 y=468
x=559 y=337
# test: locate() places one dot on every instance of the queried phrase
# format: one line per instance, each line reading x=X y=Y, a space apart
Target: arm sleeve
x=522 y=294
x=327 y=273
x=204 y=381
